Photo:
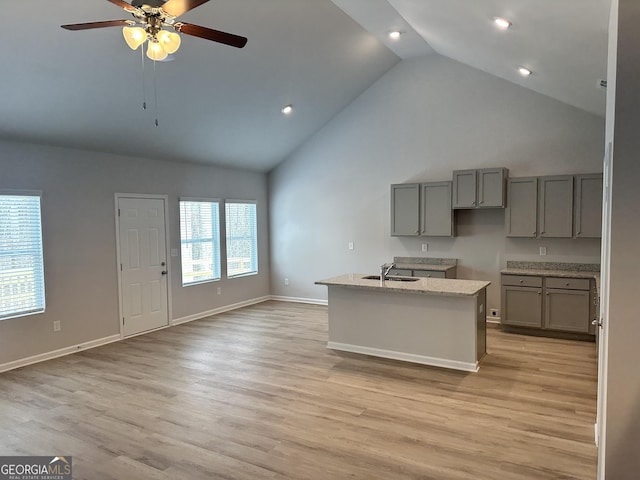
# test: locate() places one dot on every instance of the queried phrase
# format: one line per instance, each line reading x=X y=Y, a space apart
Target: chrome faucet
x=385 y=268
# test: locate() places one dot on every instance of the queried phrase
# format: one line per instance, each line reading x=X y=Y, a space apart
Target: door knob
x=596 y=322
x=164 y=272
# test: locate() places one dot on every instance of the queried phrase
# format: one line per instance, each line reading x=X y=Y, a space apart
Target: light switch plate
x=350 y=245
x=543 y=251
x=425 y=247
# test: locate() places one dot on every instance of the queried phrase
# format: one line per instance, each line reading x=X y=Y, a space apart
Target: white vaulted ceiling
x=220 y=105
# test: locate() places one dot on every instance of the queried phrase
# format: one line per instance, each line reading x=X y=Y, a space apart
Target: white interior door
x=143 y=264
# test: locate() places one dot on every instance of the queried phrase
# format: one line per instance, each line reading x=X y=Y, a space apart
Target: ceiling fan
x=150 y=18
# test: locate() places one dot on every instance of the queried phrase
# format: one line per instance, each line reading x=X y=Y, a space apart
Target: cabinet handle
x=481 y=202
x=567 y=284
x=521 y=281
x=540 y=293
x=473 y=203
x=417 y=231
x=579 y=232
x=547 y=294
x=534 y=233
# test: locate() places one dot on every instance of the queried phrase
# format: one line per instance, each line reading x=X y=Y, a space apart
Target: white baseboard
x=312 y=301
x=23 y=362
x=216 y=311
x=493 y=319
x=407 y=357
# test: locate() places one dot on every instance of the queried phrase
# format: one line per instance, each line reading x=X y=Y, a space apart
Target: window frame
x=42 y=309
x=216 y=242
x=226 y=234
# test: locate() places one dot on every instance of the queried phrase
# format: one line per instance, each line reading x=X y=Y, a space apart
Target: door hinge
x=120 y=267
x=123 y=320
x=118 y=212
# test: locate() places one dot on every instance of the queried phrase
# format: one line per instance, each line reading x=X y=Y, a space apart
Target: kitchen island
x=431 y=321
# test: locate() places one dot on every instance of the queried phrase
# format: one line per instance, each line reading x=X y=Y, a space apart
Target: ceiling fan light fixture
x=134 y=36
x=395 y=35
x=155 y=51
x=287 y=109
x=170 y=41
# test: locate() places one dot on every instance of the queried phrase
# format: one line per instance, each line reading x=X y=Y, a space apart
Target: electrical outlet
x=350 y=245
x=219 y=290
x=286 y=281
x=56 y=325
x=494 y=312
x=425 y=247
x=543 y=251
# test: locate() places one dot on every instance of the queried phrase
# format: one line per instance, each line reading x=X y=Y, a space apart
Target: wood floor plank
x=255 y=393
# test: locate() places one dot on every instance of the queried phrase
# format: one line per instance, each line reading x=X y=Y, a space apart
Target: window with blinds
x=200 y=240
x=242 y=238
x=21 y=262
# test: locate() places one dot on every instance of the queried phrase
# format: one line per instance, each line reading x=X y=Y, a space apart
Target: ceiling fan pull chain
x=155 y=91
x=144 y=96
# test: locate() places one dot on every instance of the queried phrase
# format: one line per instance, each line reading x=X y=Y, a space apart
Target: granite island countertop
x=428 y=286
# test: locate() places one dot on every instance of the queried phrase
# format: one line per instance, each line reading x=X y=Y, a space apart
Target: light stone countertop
x=428 y=286
x=423 y=266
x=544 y=272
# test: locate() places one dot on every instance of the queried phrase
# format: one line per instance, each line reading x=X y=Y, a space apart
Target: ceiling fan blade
x=210 y=34
x=90 y=25
x=123 y=5
x=179 y=7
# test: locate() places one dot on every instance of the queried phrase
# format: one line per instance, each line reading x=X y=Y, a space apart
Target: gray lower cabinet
x=567 y=310
x=449 y=273
x=522 y=306
x=421 y=209
x=555 y=207
x=405 y=205
x=483 y=188
x=548 y=303
x=588 y=206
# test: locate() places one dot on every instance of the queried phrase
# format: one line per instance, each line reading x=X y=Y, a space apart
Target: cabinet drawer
x=567 y=283
x=429 y=273
x=522 y=280
x=400 y=271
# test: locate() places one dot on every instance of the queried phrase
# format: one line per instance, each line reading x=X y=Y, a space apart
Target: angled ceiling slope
x=564 y=43
x=215 y=104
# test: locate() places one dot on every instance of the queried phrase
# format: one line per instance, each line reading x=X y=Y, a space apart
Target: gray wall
x=623 y=390
x=423 y=119
x=78 y=211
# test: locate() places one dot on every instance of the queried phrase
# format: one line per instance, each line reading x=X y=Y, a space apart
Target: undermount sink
x=392 y=279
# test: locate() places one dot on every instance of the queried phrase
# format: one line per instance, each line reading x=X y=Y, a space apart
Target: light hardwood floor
x=255 y=394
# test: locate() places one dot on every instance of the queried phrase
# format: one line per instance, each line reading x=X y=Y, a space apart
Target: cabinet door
x=429 y=273
x=522 y=306
x=588 y=206
x=436 y=216
x=464 y=188
x=405 y=202
x=567 y=310
x=556 y=206
x=522 y=207
x=491 y=187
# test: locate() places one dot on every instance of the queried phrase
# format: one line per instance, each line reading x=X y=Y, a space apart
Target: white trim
x=491 y=319
x=58 y=353
x=167 y=250
x=216 y=311
x=312 y=301
x=407 y=357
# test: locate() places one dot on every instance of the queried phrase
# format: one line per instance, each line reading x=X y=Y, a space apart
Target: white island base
x=443 y=330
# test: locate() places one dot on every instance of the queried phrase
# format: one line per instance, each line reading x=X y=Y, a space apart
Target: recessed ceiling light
x=395 y=35
x=287 y=110
x=525 y=72
x=502 y=23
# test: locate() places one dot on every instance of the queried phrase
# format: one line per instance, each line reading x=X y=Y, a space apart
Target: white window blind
x=200 y=241
x=242 y=238
x=21 y=263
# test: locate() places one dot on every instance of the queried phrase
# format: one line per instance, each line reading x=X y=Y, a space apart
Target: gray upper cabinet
x=484 y=188
x=522 y=207
x=555 y=207
x=436 y=217
x=464 y=188
x=405 y=204
x=588 y=206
